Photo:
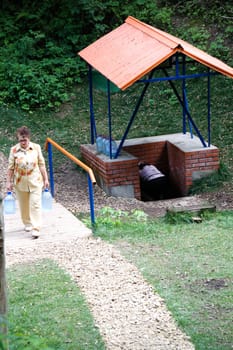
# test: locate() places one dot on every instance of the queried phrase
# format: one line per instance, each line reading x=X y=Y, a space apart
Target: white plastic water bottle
x=47 y=200
x=113 y=148
x=9 y=203
x=99 y=141
x=106 y=146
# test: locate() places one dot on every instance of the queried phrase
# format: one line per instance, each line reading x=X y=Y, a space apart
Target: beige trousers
x=30 y=207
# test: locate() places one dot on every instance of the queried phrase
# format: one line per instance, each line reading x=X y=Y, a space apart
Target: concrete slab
x=57 y=225
x=184 y=142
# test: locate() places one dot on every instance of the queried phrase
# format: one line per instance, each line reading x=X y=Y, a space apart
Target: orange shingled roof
x=134 y=48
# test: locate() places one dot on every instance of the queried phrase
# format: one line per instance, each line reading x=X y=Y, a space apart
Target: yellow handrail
x=73 y=158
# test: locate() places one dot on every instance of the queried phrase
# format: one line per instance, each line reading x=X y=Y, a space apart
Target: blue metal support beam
x=186 y=111
x=179 y=77
x=134 y=114
x=185 y=99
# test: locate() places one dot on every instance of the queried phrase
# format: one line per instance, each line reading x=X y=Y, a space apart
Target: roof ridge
x=153 y=32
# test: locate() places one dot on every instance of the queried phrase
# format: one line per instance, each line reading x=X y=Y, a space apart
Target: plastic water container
x=113 y=148
x=9 y=203
x=104 y=145
x=99 y=144
x=47 y=200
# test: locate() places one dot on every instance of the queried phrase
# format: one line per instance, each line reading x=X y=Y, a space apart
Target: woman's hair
x=23 y=131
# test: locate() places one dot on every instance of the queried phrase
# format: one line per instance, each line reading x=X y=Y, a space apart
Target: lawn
x=190 y=265
x=47 y=310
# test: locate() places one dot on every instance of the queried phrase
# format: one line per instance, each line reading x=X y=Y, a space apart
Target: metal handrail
x=91 y=178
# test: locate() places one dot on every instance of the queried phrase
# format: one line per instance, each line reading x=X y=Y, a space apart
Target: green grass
x=48 y=311
x=190 y=265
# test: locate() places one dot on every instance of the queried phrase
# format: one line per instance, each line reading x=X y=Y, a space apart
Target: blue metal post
x=185 y=99
x=209 y=110
x=109 y=119
x=91 y=199
x=177 y=64
x=92 y=117
x=184 y=93
x=187 y=109
x=50 y=159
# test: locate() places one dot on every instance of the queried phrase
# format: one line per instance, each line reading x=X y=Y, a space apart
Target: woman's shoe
x=35 y=233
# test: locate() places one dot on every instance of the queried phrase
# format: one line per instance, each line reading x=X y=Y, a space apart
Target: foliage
x=190 y=266
x=47 y=311
x=206 y=24
x=43 y=64
x=40 y=70
x=110 y=218
x=3 y=333
x=210 y=11
x=39 y=65
x=212 y=181
x=178 y=218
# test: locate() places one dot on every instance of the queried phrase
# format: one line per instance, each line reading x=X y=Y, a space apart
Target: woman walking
x=27 y=175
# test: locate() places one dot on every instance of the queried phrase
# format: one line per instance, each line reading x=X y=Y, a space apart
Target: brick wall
x=110 y=173
x=153 y=153
x=178 y=156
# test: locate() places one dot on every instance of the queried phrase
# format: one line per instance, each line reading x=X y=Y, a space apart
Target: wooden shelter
x=132 y=50
x=131 y=54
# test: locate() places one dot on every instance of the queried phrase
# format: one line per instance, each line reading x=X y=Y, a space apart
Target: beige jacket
x=26 y=166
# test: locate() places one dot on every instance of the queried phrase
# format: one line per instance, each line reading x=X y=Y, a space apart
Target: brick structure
x=183 y=159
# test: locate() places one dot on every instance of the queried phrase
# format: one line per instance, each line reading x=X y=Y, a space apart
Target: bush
x=211 y=182
x=39 y=65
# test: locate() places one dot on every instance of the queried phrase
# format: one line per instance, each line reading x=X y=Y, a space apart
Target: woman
x=28 y=175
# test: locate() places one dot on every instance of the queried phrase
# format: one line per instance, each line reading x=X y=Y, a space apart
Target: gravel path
x=129 y=315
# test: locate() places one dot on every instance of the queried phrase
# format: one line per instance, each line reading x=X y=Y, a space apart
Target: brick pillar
x=117 y=177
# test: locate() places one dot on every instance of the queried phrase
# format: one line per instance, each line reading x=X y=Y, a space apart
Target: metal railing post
x=91 y=177
x=50 y=159
x=91 y=199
